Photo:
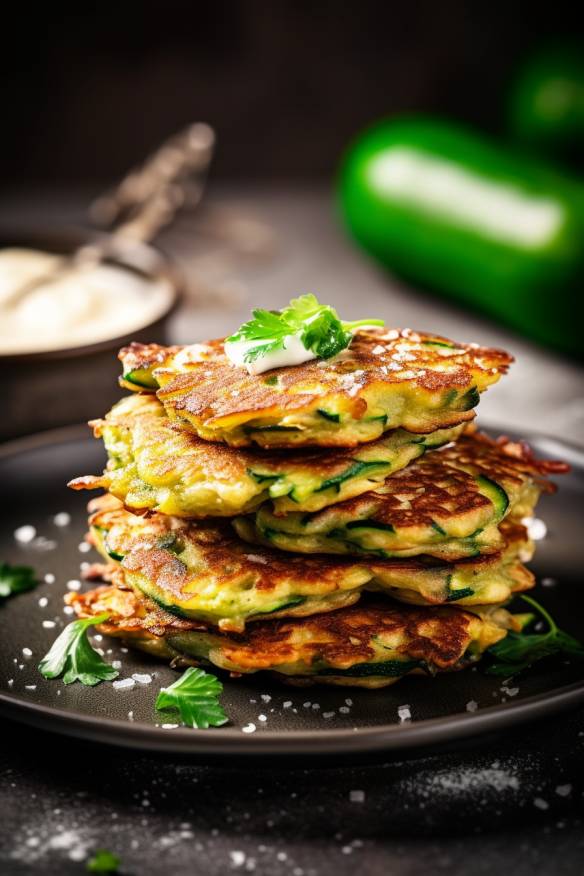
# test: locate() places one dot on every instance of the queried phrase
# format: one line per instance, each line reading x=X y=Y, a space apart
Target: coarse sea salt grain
x=262 y=718
x=510 y=691
x=287 y=704
x=43 y=602
x=536 y=528
x=255 y=558
x=404 y=713
x=564 y=790
x=266 y=698
x=249 y=728
x=540 y=803
x=169 y=726
x=49 y=624
x=237 y=858
x=117 y=664
x=25 y=534
x=472 y=706
x=50 y=578
x=68 y=609
x=43 y=544
x=74 y=584
x=62 y=519
x=124 y=684
x=142 y=678
x=357 y=796
x=27 y=652
x=83 y=547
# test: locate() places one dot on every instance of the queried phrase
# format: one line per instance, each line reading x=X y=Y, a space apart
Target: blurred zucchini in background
x=450 y=210
x=546 y=104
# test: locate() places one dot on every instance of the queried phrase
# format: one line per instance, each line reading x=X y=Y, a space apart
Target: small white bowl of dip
x=59 y=342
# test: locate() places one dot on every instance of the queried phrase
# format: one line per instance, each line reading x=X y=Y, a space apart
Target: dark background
x=87 y=89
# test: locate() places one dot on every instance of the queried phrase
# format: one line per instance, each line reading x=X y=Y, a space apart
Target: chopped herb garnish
x=518 y=651
x=16 y=579
x=196 y=697
x=317 y=325
x=73 y=657
x=103 y=862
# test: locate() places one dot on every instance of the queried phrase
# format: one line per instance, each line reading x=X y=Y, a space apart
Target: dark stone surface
x=513 y=803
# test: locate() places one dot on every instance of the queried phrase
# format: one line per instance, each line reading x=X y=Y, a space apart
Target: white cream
x=292 y=352
x=92 y=305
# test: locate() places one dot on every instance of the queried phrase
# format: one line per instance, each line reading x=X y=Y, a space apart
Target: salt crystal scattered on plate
x=124 y=684
x=404 y=713
x=25 y=534
x=62 y=519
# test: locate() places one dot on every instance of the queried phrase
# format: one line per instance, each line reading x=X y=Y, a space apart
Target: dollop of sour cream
x=292 y=352
x=85 y=307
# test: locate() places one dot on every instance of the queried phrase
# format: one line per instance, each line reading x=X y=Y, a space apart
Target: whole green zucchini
x=450 y=210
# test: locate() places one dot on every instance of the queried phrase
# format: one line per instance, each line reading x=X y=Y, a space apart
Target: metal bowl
x=58 y=387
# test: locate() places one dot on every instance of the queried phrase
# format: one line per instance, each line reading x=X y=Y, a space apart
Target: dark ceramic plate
x=288 y=721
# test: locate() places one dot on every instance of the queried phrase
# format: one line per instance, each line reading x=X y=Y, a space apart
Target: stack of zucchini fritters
x=337 y=521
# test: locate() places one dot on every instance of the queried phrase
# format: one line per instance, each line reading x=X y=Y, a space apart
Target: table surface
x=513 y=801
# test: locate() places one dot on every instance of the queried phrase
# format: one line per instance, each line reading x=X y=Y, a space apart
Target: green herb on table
x=16 y=579
x=196 y=697
x=73 y=657
x=103 y=862
x=518 y=651
x=318 y=325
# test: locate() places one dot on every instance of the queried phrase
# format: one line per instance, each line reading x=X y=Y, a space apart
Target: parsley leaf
x=518 y=651
x=72 y=655
x=15 y=579
x=103 y=862
x=318 y=325
x=195 y=696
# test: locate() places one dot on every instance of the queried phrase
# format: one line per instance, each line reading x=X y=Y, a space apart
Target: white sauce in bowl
x=89 y=306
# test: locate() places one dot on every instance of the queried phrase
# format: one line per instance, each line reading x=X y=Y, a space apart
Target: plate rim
x=381 y=739
x=231 y=742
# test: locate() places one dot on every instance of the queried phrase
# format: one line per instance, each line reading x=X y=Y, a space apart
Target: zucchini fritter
x=447 y=505
x=156 y=465
x=386 y=379
x=204 y=572
x=372 y=644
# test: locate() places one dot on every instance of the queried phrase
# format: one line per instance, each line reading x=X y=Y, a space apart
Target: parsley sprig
x=72 y=656
x=518 y=651
x=318 y=326
x=196 y=697
x=103 y=862
x=15 y=579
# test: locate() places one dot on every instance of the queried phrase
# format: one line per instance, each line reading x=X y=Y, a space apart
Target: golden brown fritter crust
x=223 y=555
x=219 y=462
x=215 y=398
x=343 y=638
x=404 y=351
x=201 y=570
x=442 y=484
